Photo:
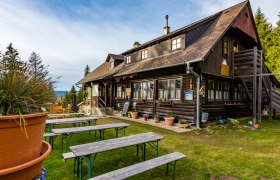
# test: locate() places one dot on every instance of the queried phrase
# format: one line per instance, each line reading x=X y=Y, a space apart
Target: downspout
x=188 y=71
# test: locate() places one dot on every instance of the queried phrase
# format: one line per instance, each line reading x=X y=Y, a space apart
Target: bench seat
x=68 y=155
x=140 y=167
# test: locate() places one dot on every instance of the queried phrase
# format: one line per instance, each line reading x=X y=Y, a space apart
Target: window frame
x=225 y=52
x=149 y=92
x=168 y=89
x=128 y=59
x=144 y=54
x=177 y=45
x=112 y=65
x=122 y=91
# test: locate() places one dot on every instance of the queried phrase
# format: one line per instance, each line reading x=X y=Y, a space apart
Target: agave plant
x=21 y=93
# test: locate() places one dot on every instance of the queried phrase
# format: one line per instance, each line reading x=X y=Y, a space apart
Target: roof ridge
x=206 y=19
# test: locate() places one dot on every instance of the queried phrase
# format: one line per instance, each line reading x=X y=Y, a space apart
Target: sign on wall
x=224 y=70
x=95 y=90
x=189 y=95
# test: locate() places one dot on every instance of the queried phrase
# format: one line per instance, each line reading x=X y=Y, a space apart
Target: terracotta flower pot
x=169 y=121
x=20 y=144
x=28 y=170
x=134 y=115
x=145 y=119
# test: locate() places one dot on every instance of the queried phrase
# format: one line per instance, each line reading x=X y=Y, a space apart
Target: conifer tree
x=264 y=29
x=37 y=70
x=87 y=70
x=73 y=99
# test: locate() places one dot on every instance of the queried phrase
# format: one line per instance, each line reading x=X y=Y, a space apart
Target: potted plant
x=134 y=113
x=146 y=116
x=169 y=119
x=183 y=123
x=156 y=118
x=23 y=91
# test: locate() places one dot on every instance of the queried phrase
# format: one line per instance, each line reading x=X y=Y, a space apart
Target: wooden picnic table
x=65 y=132
x=63 y=115
x=50 y=123
x=90 y=150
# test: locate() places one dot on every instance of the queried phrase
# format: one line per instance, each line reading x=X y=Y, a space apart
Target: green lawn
x=212 y=152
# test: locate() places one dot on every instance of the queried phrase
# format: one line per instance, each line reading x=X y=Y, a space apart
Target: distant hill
x=59 y=93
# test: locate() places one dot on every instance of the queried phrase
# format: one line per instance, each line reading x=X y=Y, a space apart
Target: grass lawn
x=212 y=152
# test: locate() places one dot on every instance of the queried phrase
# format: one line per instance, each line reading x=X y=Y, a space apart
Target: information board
x=126 y=108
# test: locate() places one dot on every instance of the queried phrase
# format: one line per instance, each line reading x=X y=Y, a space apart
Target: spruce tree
x=87 y=70
x=65 y=100
x=264 y=29
x=37 y=70
x=273 y=51
x=73 y=99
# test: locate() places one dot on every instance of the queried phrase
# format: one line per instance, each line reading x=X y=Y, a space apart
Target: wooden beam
x=270 y=102
x=255 y=85
x=154 y=96
x=260 y=93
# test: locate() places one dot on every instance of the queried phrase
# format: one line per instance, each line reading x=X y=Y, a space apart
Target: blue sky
x=69 y=34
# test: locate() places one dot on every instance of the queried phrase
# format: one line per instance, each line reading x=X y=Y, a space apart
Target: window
x=135 y=90
x=143 y=90
x=128 y=59
x=235 y=47
x=169 y=89
x=163 y=89
x=219 y=91
x=112 y=65
x=226 y=89
x=239 y=92
x=211 y=90
x=120 y=91
x=144 y=54
x=225 y=48
x=176 y=43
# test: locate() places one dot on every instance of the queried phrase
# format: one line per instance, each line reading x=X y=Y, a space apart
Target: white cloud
x=67 y=46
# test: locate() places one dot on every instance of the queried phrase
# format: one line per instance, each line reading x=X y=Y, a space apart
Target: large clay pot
x=169 y=121
x=20 y=144
x=134 y=115
x=28 y=170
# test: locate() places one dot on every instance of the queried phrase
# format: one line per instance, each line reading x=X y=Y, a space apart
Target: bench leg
x=81 y=168
x=64 y=142
x=174 y=169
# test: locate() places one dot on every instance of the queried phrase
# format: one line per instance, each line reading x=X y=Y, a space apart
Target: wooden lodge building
x=212 y=66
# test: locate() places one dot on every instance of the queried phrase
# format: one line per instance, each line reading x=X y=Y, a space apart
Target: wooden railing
x=101 y=102
x=275 y=99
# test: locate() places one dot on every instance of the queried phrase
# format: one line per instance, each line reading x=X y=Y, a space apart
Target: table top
x=72 y=120
x=66 y=114
x=88 y=128
x=111 y=144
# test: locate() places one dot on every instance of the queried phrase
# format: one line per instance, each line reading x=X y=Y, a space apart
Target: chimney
x=136 y=44
x=166 y=28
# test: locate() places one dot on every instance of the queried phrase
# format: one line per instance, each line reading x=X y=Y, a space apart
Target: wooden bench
x=142 y=167
x=51 y=137
x=70 y=155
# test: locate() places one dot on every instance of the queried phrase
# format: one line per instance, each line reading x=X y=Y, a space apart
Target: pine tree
x=73 y=99
x=273 y=51
x=65 y=100
x=264 y=29
x=11 y=62
x=80 y=96
x=36 y=68
x=87 y=70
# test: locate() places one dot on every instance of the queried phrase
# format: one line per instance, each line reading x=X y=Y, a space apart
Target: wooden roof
x=197 y=50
